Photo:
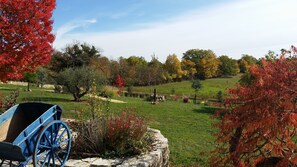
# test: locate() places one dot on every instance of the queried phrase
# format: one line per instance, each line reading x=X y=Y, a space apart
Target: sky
x=162 y=27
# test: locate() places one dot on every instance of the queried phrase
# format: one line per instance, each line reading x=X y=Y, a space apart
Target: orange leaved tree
x=258 y=125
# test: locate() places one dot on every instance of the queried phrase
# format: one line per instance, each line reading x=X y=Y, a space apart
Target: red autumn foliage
x=120 y=84
x=25 y=36
x=124 y=131
x=259 y=121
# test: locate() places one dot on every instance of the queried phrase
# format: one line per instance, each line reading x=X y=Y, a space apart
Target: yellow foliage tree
x=209 y=66
x=173 y=67
x=189 y=68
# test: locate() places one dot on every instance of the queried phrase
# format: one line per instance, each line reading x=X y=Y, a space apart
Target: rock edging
x=158 y=157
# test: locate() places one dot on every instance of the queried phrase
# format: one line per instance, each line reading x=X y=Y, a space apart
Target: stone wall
x=158 y=157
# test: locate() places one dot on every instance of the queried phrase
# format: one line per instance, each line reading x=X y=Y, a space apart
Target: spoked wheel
x=53 y=144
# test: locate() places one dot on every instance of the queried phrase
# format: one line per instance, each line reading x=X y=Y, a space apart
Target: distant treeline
x=135 y=70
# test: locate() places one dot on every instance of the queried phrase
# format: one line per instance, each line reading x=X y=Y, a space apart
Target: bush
x=108 y=93
x=9 y=101
x=186 y=99
x=125 y=133
x=99 y=133
x=58 y=89
x=130 y=89
x=220 y=96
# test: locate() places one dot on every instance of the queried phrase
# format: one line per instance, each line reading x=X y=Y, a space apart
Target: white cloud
x=91 y=21
x=68 y=27
x=246 y=26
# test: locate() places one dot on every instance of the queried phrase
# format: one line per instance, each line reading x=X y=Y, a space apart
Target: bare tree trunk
x=28 y=87
x=155 y=95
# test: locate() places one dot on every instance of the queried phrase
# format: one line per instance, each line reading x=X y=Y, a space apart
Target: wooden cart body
x=25 y=129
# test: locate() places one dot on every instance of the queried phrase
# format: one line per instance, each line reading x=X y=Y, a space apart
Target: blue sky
x=163 y=27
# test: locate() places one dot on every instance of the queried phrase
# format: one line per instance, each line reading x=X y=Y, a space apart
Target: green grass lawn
x=47 y=96
x=187 y=126
x=210 y=87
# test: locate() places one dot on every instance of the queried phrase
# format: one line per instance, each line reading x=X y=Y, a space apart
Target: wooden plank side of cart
x=19 y=129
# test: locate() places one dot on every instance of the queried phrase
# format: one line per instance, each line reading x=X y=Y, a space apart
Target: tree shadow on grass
x=46 y=99
x=206 y=110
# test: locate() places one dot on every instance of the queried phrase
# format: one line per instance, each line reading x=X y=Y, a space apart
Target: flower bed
x=157 y=157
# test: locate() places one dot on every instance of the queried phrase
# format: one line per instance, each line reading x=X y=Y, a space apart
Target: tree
x=245 y=62
x=156 y=71
x=136 y=61
x=189 y=68
x=130 y=69
x=206 y=63
x=41 y=76
x=173 y=67
x=258 y=126
x=196 y=55
x=127 y=71
x=228 y=66
x=209 y=67
x=30 y=77
x=74 y=55
x=104 y=65
x=25 y=36
x=120 y=84
x=79 y=81
x=196 y=85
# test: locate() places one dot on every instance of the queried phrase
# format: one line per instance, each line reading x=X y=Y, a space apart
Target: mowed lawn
x=210 y=87
x=188 y=127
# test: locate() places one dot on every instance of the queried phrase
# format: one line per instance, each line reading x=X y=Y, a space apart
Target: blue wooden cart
x=34 y=133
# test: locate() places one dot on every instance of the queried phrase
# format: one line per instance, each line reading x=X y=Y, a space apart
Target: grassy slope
x=45 y=95
x=187 y=126
x=210 y=87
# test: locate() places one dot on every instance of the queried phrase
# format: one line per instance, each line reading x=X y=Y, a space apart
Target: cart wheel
x=53 y=145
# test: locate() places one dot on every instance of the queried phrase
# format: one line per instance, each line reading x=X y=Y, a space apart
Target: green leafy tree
x=196 y=85
x=228 y=66
x=30 y=77
x=79 y=81
x=155 y=71
x=136 y=61
x=41 y=76
x=246 y=62
x=74 y=55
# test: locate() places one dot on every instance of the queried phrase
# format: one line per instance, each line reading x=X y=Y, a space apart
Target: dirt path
x=111 y=100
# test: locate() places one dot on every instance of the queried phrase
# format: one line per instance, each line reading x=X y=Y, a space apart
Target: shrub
x=220 y=96
x=108 y=93
x=130 y=89
x=125 y=133
x=58 y=89
x=186 y=99
x=99 y=133
x=9 y=101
